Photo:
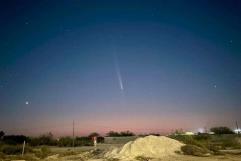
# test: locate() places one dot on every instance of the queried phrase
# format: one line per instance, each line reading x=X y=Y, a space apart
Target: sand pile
x=149 y=146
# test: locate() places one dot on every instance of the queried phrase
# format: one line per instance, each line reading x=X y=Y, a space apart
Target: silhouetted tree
x=123 y=133
x=221 y=130
x=14 y=139
x=112 y=134
x=93 y=134
x=127 y=133
x=1 y=135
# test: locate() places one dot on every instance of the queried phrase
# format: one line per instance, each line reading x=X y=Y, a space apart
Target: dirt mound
x=149 y=146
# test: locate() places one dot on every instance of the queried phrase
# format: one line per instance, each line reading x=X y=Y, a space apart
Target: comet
x=118 y=73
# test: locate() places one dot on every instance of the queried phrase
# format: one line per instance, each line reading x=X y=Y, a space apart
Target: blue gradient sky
x=179 y=63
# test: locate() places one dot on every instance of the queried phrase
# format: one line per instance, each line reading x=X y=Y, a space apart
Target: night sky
x=145 y=66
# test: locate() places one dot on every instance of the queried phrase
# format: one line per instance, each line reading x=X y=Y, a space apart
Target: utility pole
x=73 y=133
x=23 y=147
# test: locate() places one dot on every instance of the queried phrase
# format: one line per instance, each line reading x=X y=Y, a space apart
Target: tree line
x=48 y=139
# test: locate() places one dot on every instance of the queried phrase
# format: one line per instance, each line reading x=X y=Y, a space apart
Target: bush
x=14 y=150
x=214 y=143
x=46 y=139
x=112 y=159
x=142 y=158
x=194 y=150
x=226 y=141
x=100 y=139
x=221 y=130
x=214 y=149
x=79 y=141
x=202 y=137
x=11 y=150
x=43 y=152
x=188 y=140
x=83 y=141
x=68 y=152
x=65 y=141
x=230 y=143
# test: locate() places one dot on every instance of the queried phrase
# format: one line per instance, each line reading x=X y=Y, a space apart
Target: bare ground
x=173 y=158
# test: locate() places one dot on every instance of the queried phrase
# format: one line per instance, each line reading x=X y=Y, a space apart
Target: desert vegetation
x=43 y=146
x=203 y=144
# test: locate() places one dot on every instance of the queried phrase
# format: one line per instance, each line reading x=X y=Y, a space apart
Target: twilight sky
x=144 y=66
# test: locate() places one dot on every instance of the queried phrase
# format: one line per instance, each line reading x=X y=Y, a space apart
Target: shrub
x=112 y=159
x=231 y=143
x=179 y=132
x=215 y=149
x=100 y=139
x=65 y=141
x=43 y=152
x=188 y=140
x=226 y=141
x=194 y=150
x=79 y=141
x=12 y=150
x=15 y=149
x=46 y=139
x=143 y=158
x=27 y=157
x=67 y=153
x=202 y=137
x=95 y=154
x=83 y=141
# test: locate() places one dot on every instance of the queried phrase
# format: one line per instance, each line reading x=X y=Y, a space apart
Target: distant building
x=211 y=133
x=188 y=133
x=237 y=131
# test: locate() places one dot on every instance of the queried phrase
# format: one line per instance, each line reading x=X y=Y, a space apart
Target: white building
x=237 y=131
x=189 y=133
